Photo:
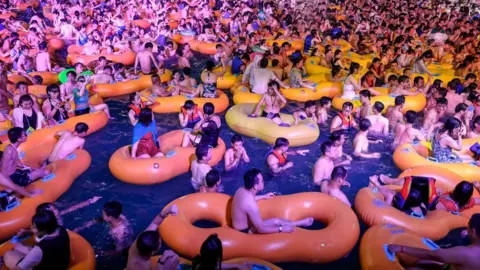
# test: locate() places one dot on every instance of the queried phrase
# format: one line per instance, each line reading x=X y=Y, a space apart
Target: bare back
x=243 y=205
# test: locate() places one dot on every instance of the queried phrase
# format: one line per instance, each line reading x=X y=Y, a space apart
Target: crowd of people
x=403 y=38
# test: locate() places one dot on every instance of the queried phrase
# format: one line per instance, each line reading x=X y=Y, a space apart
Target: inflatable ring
x=53 y=185
x=374 y=253
x=182 y=39
x=341 y=44
x=228 y=80
x=436 y=66
x=241 y=94
x=314 y=246
x=82 y=256
x=126 y=58
x=445 y=78
x=48 y=77
x=144 y=24
x=415 y=103
x=418 y=154
x=149 y=171
x=261 y=264
x=173 y=104
x=296 y=44
x=305 y=133
x=7 y=15
x=204 y=47
x=55 y=43
x=75 y=49
x=312 y=66
x=62 y=76
x=372 y=210
x=323 y=89
x=124 y=88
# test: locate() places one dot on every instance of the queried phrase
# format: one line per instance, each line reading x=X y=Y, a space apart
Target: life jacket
x=194 y=118
x=282 y=159
x=346 y=121
x=307 y=44
x=451 y=206
x=136 y=109
x=424 y=184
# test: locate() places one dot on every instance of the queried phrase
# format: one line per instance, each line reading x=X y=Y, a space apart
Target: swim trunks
x=21 y=177
x=270 y=115
x=245 y=230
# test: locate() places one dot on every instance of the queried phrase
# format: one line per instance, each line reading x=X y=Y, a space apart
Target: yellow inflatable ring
x=312 y=65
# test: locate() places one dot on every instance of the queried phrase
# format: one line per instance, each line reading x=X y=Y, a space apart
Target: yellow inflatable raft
x=305 y=133
x=312 y=66
x=228 y=80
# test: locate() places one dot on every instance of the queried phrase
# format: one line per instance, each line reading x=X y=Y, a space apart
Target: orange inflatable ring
x=173 y=104
x=47 y=12
x=176 y=161
x=48 y=77
x=181 y=39
x=124 y=88
x=372 y=210
x=23 y=6
x=54 y=185
x=82 y=256
x=232 y=261
x=374 y=254
x=126 y=58
x=144 y=24
x=418 y=154
x=177 y=16
x=56 y=43
x=204 y=47
x=296 y=44
x=314 y=246
x=7 y=15
x=75 y=49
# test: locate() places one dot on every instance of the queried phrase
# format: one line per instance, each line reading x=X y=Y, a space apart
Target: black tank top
x=30 y=121
x=59 y=116
x=210 y=134
x=56 y=252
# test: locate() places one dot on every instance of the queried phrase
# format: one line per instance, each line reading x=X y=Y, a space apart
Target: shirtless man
x=453 y=97
x=309 y=111
x=394 y=113
x=343 y=120
x=460 y=257
x=145 y=58
x=25 y=62
x=332 y=186
x=212 y=182
x=380 y=123
x=235 y=154
x=322 y=111
x=68 y=32
x=273 y=101
x=68 y=142
x=13 y=165
x=66 y=89
x=22 y=89
x=277 y=157
x=420 y=86
x=366 y=108
x=120 y=228
x=103 y=78
x=149 y=242
x=246 y=214
x=403 y=87
x=432 y=117
x=199 y=166
x=188 y=81
x=159 y=89
x=406 y=133
x=361 y=142
x=324 y=166
x=262 y=78
x=42 y=59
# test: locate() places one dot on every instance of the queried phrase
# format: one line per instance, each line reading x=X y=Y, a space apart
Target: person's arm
x=77 y=206
x=341 y=196
x=131 y=117
x=172 y=210
x=336 y=124
x=273 y=164
x=257 y=222
x=419 y=136
x=245 y=156
x=358 y=152
x=231 y=161
x=265 y=196
x=455 y=144
x=423 y=68
x=155 y=61
x=259 y=105
x=7 y=183
x=280 y=96
x=454 y=255
x=81 y=92
x=32 y=259
x=134 y=150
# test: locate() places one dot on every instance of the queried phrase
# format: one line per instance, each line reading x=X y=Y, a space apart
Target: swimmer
x=460 y=257
x=66 y=89
x=366 y=107
x=145 y=59
x=309 y=111
x=188 y=81
x=212 y=182
x=338 y=139
x=420 y=86
x=380 y=123
x=120 y=228
x=246 y=213
x=235 y=154
x=394 y=113
x=337 y=180
x=200 y=166
x=454 y=97
x=149 y=242
x=159 y=89
x=322 y=111
x=68 y=142
x=432 y=117
x=344 y=119
x=273 y=100
x=105 y=77
x=406 y=133
x=190 y=115
x=262 y=77
x=361 y=142
x=323 y=167
x=277 y=157
x=12 y=164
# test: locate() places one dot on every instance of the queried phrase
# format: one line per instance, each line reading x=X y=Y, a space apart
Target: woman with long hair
x=211 y=256
x=447 y=139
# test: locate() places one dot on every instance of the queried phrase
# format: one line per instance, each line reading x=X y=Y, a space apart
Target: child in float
x=136 y=105
x=82 y=102
x=394 y=113
x=145 y=59
x=366 y=107
x=234 y=155
x=190 y=115
x=344 y=120
x=42 y=60
x=66 y=89
x=21 y=89
x=200 y=167
x=26 y=117
x=149 y=242
x=380 y=124
x=405 y=132
x=145 y=142
x=55 y=106
x=205 y=131
x=361 y=141
x=246 y=214
x=322 y=111
x=273 y=100
x=25 y=63
x=332 y=187
x=212 y=182
x=309 y=111
x=277 y=157
x=12 y=164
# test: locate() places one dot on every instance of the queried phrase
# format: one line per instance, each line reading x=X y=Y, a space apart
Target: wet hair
x=209 y=65
x=325 y=100
x=274 y=83
x=461 y=107
x=414 y=199
x=275 y=62
x=280 y=142
x=212 y=178
x=211 y=254
x=44 y=207
x=42 y=45
x=209 y=108
x=25 y=98
x=102 y=58
x=14 y=134
x=353 y=66
x=148 y=242
x=45 y=222
x=417 y=80
x=392 y=78
x=346 y=105
x=471 y=76
x=378 y=106
x=250 y=178
x=442 y=101
x=451 y=124
x=37 y=79
x=338 y=172
x=113 y=209
x=201 y=151
x=145 y=117
x=474 y=224
x=336 y=135
x=189 y=105
x=148 y=45
x=73 y=73
x=53 y=88
x=20 y=84
x=442 y=92
x=403 y=78
x=462 y=193
x=187 y=71
x=411 y=117
x=399 y=100
x=81 y=128
x=263 y=63
x=364 y=124
x=366 y=93
x=236 y=138
x=326 y=145
x=309 y=103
